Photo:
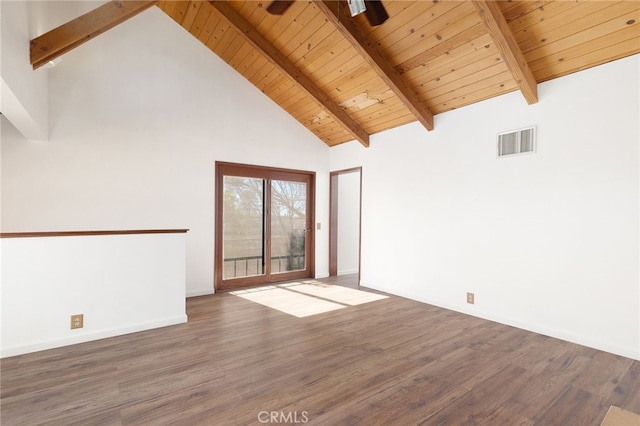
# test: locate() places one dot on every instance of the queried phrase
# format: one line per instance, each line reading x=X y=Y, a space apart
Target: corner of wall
x=24 y=92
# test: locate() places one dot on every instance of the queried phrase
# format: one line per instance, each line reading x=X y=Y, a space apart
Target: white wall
x=546 y=241
x=348 y=222
x=120 y=283
x=138 y=117
x=23 y=92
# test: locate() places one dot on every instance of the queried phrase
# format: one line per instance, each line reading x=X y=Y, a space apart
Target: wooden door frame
x=264 y=172
x=333 y=221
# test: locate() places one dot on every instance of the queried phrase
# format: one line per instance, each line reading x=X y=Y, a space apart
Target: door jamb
x=333 y=221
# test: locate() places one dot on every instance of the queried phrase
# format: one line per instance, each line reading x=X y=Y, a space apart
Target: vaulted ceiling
x=345 y=80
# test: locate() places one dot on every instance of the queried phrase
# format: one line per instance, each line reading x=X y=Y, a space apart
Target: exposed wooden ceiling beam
x=378 y=62
x=499 y=30
x=288 y=68
x=68 y=36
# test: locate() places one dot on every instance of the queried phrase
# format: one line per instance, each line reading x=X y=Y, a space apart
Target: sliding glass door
x=264 y=227
x=243 y=227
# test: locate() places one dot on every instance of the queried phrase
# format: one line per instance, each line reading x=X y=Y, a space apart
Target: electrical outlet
x=470 y=298
x=77 y=321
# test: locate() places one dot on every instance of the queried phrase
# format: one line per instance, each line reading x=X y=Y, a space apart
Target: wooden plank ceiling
x=345 y=80
x=448 y=54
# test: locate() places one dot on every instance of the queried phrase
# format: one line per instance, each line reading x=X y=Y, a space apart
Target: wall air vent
x=517 y=142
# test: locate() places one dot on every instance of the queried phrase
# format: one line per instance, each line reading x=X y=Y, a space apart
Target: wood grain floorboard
x=389 y=362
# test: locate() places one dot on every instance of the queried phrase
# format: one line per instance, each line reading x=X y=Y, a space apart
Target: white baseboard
x=595 y=343
x=87 y=337
x=197 y=293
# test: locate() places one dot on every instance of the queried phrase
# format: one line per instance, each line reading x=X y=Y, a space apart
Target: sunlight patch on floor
x=302 y=299
x=343 y=295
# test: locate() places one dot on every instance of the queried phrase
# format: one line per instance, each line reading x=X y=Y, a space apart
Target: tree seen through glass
x=244 y=226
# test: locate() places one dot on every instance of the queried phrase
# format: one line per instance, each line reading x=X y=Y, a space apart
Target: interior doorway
x=264 y=229
x=344 y=222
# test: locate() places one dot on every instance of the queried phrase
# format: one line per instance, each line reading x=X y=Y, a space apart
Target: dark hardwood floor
x=389 y=362
x=350 y=280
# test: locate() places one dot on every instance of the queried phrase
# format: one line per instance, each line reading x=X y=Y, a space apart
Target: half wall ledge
x=119 y=281
x=86 y=233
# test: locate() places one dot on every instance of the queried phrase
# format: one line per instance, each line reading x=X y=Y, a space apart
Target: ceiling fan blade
x=278 y=7
x=376 y=13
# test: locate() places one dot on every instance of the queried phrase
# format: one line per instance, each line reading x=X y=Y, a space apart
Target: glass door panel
x=243 y=247
x=288 y=226
x=263 y=225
